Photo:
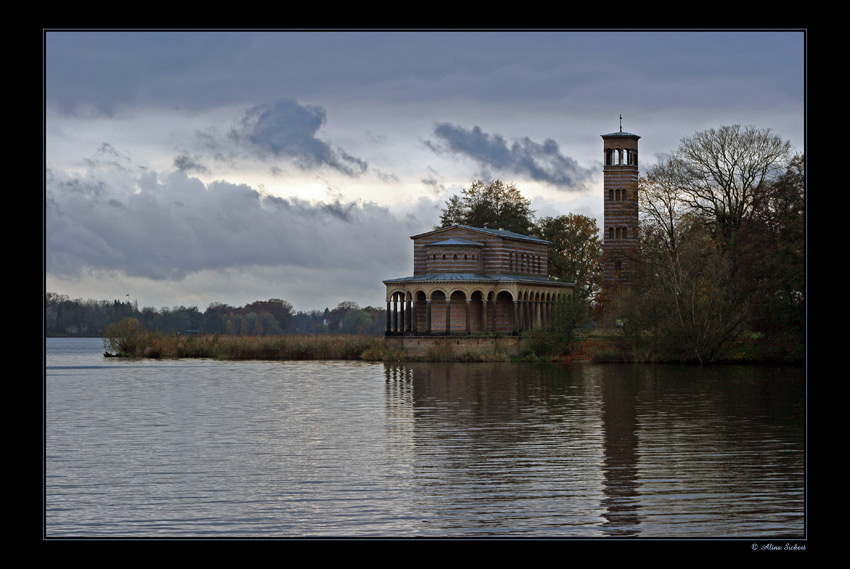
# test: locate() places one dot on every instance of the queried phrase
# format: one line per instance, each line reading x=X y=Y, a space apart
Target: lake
x=299 y=449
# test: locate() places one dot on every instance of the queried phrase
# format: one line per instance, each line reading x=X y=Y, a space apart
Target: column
x=428 y=315
x=448 y=315
x=468 y=301
x=483 y=314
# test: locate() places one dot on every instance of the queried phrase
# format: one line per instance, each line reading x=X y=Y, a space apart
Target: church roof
x=477 y=277
x=497 y=232
x=621 y=133
x=455 y=241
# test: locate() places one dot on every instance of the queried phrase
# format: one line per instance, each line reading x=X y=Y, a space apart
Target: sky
x=184 y=168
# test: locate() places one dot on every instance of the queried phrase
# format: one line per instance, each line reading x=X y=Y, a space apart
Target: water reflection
x=620 y=467
x=498 y=452
x=605 y=450
x=205 y=448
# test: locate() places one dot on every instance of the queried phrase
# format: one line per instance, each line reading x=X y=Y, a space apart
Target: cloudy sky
x=185 y=168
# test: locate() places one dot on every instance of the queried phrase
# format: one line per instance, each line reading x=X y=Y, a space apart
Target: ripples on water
x=188 y=448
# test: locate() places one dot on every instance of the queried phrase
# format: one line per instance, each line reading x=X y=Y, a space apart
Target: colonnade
x=460 y=312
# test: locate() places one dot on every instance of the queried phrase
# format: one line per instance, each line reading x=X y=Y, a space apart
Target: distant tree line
x=64 y=316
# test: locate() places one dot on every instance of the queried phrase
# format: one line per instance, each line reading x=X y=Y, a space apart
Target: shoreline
x=595 y=348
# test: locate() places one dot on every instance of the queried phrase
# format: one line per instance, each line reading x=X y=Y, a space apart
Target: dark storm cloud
x=285 y=129
x=99 y=72
x=167 y=228
x=542 y=162
x=107 y=156
x=186 y=163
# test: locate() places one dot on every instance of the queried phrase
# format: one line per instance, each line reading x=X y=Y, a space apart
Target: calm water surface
x=191 y=448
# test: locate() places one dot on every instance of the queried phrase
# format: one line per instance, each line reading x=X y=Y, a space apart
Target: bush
x=125 y=338
x=563 y=329
x=440 y=351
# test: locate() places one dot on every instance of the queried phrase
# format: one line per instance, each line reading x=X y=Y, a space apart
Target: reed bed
x=283 y=347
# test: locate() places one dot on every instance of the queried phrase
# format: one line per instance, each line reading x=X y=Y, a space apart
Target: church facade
x=471 y=280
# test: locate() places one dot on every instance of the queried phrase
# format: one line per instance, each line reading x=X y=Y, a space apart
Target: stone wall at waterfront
x=458 y=346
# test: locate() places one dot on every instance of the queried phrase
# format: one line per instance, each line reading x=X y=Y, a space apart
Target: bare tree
x=661 y=203
x=721 y=172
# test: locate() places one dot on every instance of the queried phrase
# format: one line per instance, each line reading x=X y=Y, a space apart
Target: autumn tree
x=337 y=316
x=280 y=310
x=494 y=205
x=575 y=253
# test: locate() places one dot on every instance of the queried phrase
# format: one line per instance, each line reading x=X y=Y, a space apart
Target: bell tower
x=620 y=223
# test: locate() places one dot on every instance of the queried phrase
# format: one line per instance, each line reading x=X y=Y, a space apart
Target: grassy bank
x=608 y=346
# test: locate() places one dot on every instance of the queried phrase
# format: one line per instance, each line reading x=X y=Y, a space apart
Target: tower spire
x=621 y=122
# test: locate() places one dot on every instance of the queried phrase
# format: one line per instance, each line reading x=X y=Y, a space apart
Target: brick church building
x=473 y=280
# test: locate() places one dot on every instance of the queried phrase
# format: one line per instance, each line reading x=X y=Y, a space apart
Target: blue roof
x=455 y=241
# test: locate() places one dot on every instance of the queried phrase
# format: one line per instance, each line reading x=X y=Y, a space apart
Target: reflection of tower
x=620 y=422
x=621 y=207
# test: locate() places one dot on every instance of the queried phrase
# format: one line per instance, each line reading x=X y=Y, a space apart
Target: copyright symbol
x=755 y=546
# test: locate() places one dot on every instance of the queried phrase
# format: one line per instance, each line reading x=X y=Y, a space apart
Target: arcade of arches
x=446 y=308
